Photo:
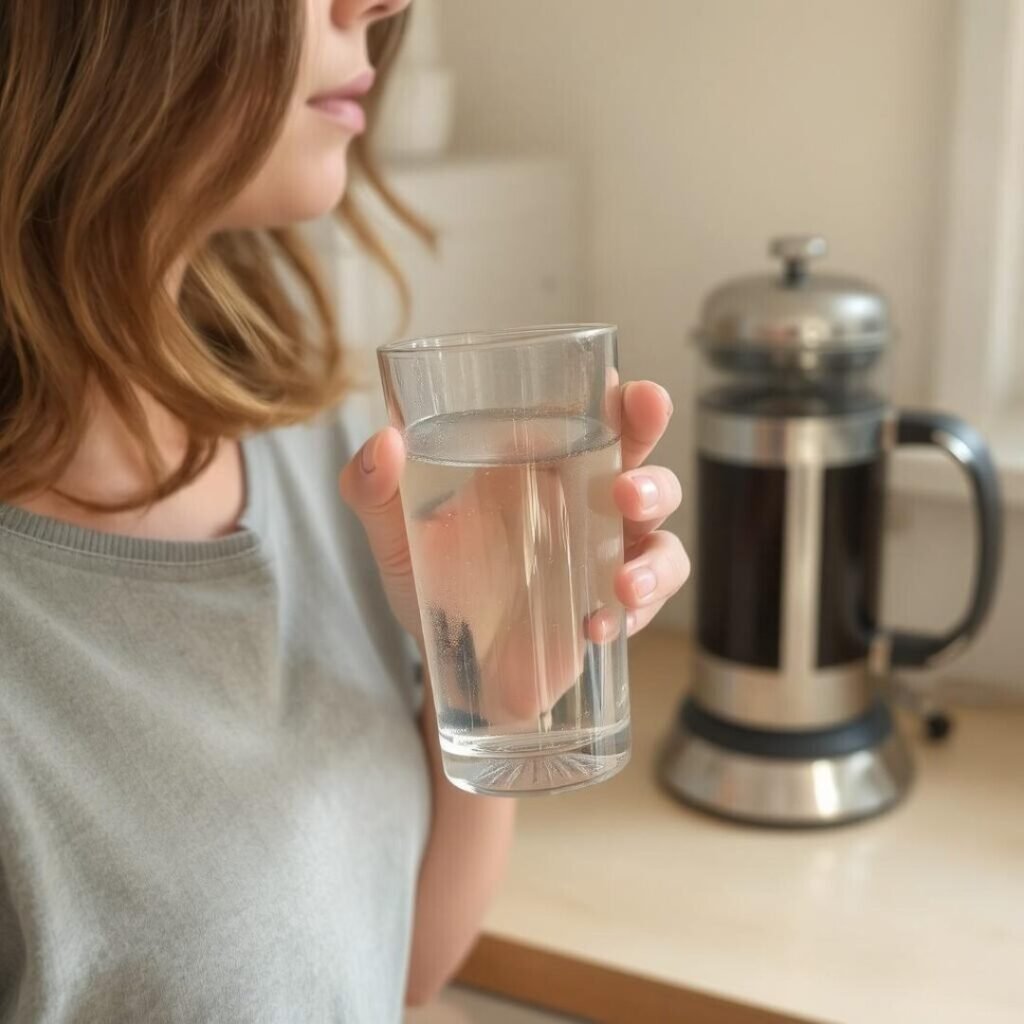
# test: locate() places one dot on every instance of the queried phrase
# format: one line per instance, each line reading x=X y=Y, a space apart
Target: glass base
x=535 y=764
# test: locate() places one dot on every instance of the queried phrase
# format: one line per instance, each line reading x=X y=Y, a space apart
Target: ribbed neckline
x=56 y=534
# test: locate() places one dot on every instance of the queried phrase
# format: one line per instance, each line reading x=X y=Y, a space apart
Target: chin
x=296 y=189
x=315 y=192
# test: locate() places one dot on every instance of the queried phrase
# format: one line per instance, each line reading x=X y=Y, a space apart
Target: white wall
x=702 y=127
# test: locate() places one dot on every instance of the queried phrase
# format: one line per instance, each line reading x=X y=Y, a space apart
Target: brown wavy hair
x=106 y=108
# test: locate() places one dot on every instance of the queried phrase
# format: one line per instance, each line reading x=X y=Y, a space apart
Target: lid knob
x=796 y=251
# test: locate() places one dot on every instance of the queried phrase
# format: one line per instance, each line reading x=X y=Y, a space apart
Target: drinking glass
x=512 y=441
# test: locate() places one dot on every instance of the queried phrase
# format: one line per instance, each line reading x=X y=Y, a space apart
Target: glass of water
x=512 y=440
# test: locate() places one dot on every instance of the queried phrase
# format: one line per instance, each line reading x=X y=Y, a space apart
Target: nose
x=347 y=14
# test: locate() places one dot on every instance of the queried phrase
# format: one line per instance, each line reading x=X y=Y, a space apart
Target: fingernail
x=648 y=491
x=367 y=459
x=644 y=581
x=668 y=398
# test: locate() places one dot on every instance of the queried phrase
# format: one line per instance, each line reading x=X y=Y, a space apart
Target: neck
x=108 y=468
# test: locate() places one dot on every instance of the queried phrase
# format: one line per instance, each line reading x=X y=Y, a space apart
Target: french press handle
x=964 y=444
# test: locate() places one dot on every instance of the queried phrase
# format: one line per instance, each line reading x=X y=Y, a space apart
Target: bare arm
x=464 y=861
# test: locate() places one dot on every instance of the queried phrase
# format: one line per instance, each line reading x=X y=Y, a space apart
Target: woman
x=218 y=800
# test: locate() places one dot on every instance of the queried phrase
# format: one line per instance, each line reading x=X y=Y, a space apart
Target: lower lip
x=348 y=114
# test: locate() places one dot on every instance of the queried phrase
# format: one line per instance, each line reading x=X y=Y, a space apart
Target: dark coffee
x=742 y=516
x=739 y=561
x=851 y=549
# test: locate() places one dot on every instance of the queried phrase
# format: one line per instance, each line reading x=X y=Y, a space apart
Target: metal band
x=863 y=732
x=764 y=698
x=801 y=583
x=793 y=441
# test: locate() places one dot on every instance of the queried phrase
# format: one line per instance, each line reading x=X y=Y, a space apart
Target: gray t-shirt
x=213 y=795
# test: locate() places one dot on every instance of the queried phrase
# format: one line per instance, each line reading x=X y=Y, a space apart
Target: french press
x=786 y=722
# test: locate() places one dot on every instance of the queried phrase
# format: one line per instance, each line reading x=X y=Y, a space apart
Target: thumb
x=369 y=486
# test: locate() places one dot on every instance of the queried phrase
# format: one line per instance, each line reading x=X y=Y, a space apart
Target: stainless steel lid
x=795 y=316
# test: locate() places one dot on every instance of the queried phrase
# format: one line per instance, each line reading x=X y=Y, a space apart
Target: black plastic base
x=870 y=729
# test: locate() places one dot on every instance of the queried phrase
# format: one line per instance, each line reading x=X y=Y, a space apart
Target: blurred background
x=597 y=160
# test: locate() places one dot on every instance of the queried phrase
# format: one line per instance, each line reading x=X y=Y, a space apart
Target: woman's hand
x=656 y=565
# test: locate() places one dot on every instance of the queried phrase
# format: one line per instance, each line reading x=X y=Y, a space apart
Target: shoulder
x=319 y=545
x=300 y=464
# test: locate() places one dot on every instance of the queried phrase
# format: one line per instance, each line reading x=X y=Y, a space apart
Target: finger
x=369 y=486
x=606 y=623
x=612 y=398
x=645 y=497
x=658 y=571
x=646 y=410
x=641 y=617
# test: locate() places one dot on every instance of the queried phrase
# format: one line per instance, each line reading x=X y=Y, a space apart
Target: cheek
x=304 y=177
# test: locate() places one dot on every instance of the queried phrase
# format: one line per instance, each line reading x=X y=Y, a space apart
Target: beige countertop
x=622 y=905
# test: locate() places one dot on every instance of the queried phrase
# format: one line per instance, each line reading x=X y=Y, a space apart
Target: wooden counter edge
x=602 y=995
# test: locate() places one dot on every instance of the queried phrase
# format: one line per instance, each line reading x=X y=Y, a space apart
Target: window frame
x=978 y=371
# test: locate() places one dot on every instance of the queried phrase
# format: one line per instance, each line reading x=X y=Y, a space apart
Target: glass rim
x=506 y=337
